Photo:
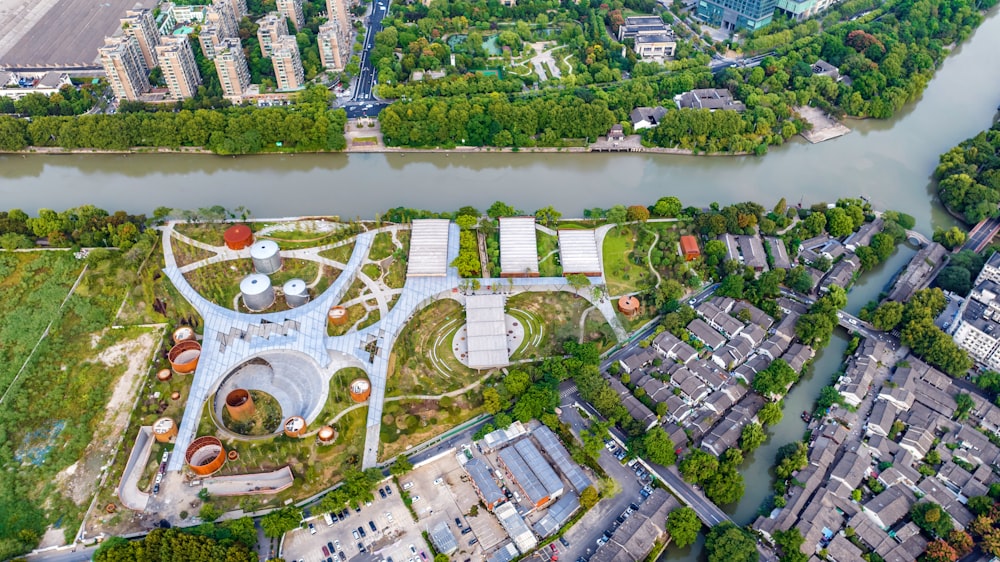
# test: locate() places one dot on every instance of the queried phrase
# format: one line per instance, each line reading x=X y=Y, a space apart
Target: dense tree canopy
x=969 y=176
x=172 y=544
x=728 y=543
x=683 y=525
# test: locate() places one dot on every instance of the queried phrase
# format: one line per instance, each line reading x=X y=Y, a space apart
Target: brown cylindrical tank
x=164 y=430
x=337 y=316
x=240 y=405
x=205 y=455
x=164 y=375
x=295 y=426
x=184 y=356
x=238 y=237
x=629 y=305
x=233 y=455
x=326 y=436
x=360 y=390
x=183 y=333
x=175 y=395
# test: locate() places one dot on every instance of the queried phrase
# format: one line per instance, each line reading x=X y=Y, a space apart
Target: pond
x=489 y=43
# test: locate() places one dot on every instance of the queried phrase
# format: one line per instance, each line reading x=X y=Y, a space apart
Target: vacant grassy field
x=207 y=232
x=340 y=253
x=622 y=275
x=185 y=254
x=422 y=360
x=549 y=319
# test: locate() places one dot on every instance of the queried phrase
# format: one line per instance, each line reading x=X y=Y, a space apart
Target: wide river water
x=888 y=161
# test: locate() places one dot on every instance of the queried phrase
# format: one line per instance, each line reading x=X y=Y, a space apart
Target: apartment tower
x=140 y=25
x=288 y=64
x=231 y=64
x=125 y=67
x=330 y=52
x=270 y=28
x=292 y=9
x=179 y=68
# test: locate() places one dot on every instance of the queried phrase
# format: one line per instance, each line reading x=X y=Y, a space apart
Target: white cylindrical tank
x=296 y=292
x=258 y=294
x=266 y=256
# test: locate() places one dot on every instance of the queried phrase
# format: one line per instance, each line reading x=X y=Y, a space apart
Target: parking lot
x=394 y=530
x=445 y=494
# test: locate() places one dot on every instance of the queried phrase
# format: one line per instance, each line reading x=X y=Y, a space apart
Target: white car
x=439 y=481
x=407 y=485
x=388 y=516
x=415 y=499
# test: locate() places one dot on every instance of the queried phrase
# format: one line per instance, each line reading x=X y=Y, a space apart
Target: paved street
x=364 y=103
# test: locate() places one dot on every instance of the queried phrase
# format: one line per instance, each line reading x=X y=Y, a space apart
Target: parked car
x=371 y=525
x=473 y=541
x=356 y=535
x=388 y=490
x=564 y=541
x=326 y=551
x=329 y=547
x=388 y=517
x=415 y=499
x=362 y=531
x=336 y=544
x=413 y=549
x=407 y=485
x=381 y=492
x=361 y=547
x=312 y=529
x=466 y=530
x=343 y=557
x=438 y=481
x=458 y=522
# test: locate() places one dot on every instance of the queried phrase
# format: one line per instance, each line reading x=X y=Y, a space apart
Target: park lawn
x=406 y=423
x=151 y=286
x=185 y=254
x=220 y=282
x=422 y=360
x=622 y=276
x=208 y=232
x=549 y=319
x=340 y=253
x=372 y=270
x=548 y=255
x=395 y=278
x=62 y=410
x=374 y=315
x=382 y=246
x=355 y=312
x=339 y=397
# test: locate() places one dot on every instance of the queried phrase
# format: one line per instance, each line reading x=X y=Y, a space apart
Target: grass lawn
x=548 y=255
x=406 y=423
x=622 y=275
x=382 y=246
x=339 y=397
x=355 y=312
x=220 y=282
x=207 y=232
x=185 y=253
x=340 y=253
x=151 y=286
x=423 y=361
x=549 y=319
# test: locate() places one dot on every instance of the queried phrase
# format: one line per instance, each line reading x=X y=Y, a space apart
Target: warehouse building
x=579 y=253
x=518 y=247
x=515 y=526
x=486 y=329
x=560 y=458
x=428 y=248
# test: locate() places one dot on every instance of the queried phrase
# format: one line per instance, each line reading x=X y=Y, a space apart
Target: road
x=364 y=103
x=981 y=234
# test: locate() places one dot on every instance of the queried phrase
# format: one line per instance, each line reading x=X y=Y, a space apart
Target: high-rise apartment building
x=731 y=15
x=288 y=64
x=125 y=67
x=337 y=12
x=140 y=25
x=179 y=68
x=292 y=9
x=209 y=39
x=240 y=8
x=270 y=28
x=221 y=15
x=231 y=64
x=331 y=51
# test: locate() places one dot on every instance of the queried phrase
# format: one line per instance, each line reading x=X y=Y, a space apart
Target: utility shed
x=533 y=457
x=579 y=253
x=443 y=539
x=518 y=247
x=487 y=331
x=557 y=515
x=428 y=248
x=550 y=445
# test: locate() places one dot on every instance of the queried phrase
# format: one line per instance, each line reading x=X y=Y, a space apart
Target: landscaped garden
x=423 y=361
x=551 y=318
x=406 y=423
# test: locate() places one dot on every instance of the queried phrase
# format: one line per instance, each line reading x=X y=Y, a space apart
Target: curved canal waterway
x=889 y=161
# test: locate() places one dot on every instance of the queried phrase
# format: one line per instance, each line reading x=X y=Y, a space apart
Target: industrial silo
x=360 y=390
x=164 y=430
x=258 y=294
x=205 y=455
x=337 y=316
x=296 y=292
x=238 y=237
x=184 y=357
x=295 y=426
x=326 y=436
x=266 y=256
x=240 y=405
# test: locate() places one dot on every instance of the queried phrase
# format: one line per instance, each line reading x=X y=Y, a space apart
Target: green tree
x=725 y=486
x=491 y=400
x=790 y=542
x=548 y=215
x=728 y=543
x=401 y=466
x=698 y=466
x=770 y=414
x=683 y=525
x=617 y=214
x=753 y=436
x=887 y=316
x=588 y=497
x=500 y=209
x=280 y=522
x=964 y=405
x=637 y=213
x=930 y=517
x=951 y=238
x=658 y=447
x=667 y=207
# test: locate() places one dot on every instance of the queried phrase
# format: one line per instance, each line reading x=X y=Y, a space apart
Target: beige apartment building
x=125 y=67
x=179 y=68
x=292 y=9
x=231 y=64
x=288 y=64
x=332 y=53
x=270 y=28
x=140 y=25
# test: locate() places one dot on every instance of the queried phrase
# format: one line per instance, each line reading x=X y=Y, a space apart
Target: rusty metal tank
x=337 y=316
x=295 y=427
x=360 y=390
x=326 y=435
x=240 y=404
x=164 y=430
x=164 y=375
x=184 y=357
x=205 y=455
x=183 y=333
x=238 y=236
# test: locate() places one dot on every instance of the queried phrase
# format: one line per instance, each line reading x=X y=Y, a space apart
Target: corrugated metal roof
x=486 y=330
x=533 y=457
x=443 y=538
x=557 y=515
x=579 y=252
x=518 y=245
x=549 y=443
x=428 y=248
x=506 y=553
x=515 y=526
x=484 y=481
x=523 y=475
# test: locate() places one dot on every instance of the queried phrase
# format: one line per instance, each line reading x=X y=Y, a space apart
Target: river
x=889 y=161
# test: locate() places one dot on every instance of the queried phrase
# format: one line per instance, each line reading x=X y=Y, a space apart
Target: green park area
x=423 y=361
x=551 y=318
x=406 y=423
x=66 y=385
x=219 y=282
